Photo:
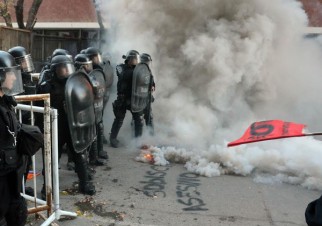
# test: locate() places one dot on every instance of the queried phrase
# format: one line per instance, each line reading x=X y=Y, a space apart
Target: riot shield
x=109 y=74
x=140 y=87
x=80 y=111
x=109 y=77
x=97 y=81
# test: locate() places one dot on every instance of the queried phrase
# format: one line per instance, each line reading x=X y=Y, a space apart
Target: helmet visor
x=64 y=70
x=88 y=67
x=134 y=59
x=26 y=63
x=97 y=59
x=12 y=81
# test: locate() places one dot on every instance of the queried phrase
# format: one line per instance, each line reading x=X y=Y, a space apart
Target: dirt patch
x=88 y=206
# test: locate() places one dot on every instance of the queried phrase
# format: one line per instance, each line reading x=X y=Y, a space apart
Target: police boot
x=117 y=124
x=86 y=188
x=114 y=142
x=93 y=156
x=29 y=191
x=103 y=155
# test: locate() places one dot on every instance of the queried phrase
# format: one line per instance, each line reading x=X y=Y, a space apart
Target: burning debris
x=146 y=154
x=151 y=154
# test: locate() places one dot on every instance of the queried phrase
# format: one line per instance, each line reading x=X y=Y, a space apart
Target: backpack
x=29 y=140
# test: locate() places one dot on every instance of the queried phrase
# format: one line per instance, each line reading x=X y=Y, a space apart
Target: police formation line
x=79 y=89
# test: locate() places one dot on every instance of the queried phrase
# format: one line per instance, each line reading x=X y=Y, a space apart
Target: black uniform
x=56 y=88
x=148 y=115
x=12 y=206
x=100 y=126
x=123 y=101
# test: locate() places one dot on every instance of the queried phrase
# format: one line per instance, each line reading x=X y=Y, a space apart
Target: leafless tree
x=32 y=14
x=19 y=8
x=98 y=12
x=4 y=12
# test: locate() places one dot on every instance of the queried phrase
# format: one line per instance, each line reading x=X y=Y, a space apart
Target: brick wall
x=313 y=9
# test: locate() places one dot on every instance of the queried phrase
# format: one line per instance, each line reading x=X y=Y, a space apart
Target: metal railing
x=50 y=159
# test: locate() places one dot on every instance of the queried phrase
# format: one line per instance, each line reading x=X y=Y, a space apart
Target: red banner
x=269 y=130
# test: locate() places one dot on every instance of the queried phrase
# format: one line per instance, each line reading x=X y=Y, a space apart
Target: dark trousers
x=13 y=207
x=120 y=112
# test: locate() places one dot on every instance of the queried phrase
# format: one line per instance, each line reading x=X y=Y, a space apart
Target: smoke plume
x=220 y=65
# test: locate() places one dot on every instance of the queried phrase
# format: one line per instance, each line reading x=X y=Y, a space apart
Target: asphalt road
x=135 y=193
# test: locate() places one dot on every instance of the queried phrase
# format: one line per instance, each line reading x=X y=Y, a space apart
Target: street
x=135 y=193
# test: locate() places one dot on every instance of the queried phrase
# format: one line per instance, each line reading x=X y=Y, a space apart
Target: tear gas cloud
x=220 y=65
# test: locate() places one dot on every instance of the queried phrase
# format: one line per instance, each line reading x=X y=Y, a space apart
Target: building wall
x=313 y=9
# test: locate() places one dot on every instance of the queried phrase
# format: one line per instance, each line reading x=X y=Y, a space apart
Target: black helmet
x=83 y=61
x=10 y=75
x=94 y=54
x=132 y=55
x=61 y=52
x=145 y=58
x=62 y=66
x=22 y=58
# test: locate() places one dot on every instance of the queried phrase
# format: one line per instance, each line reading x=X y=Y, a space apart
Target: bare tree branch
x=19 y=13
x=98 y=13
x=32 y=14
x=5 y=13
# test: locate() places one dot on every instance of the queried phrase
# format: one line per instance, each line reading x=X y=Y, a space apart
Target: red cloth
x=269 y=130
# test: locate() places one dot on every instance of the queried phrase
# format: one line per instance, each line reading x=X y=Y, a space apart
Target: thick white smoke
x=220 y=65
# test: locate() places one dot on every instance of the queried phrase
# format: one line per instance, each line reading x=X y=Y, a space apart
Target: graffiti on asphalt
x=154 y=184
x=188 y=194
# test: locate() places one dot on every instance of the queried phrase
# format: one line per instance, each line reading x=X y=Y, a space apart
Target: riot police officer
x=98 y=64
x=45 y=73
x=13 y=208
x=82 y=62
x=62 y=67
x=96 y=78
x=24 y=60
x=123 y=101
x=148 y=115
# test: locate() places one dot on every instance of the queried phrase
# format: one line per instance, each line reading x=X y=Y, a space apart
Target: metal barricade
x=50 y=159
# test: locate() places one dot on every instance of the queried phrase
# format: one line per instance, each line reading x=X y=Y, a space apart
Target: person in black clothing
x=123 y=102
x=61 y=67
x=95 y=56
x=84 y=64
x=45 y=73
x=13 y=207
x=148 y=115
x=24 y=60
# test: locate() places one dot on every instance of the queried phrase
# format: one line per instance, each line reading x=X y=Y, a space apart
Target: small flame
x=149 y=157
